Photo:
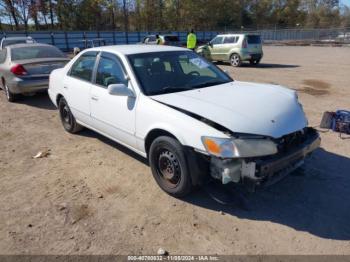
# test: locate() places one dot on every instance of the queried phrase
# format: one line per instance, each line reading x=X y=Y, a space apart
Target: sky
x=345 y=2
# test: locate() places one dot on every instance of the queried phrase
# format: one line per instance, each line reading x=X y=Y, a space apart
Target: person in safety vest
x=159 y=40
x=191 y=40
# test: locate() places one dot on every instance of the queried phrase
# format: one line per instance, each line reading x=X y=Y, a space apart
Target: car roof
x=241 y=34
x=136 y=49
x=27 y=45
x=17 y=38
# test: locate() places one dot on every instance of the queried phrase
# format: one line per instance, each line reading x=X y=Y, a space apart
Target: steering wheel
x=195 y=73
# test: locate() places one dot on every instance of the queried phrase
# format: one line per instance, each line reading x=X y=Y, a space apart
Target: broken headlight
x=239 y=147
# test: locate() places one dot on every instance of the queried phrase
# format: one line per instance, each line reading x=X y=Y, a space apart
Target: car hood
x=250 y=108
x=201 y=47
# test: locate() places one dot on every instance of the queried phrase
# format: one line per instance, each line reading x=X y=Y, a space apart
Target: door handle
x=95 y=98
x=65 y=87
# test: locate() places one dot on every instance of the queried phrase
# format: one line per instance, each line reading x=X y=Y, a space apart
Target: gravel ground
x=92 y=196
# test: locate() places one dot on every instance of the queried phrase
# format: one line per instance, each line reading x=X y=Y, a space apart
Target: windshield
x=175 y=71
x=31 y=52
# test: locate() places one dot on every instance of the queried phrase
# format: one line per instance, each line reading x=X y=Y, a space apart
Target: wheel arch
x=157 y=132
x=3 y=82
x=234 y=52
x=58 y=98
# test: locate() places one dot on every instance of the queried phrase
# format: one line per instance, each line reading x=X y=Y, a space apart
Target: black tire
x=254 y=62
x=68 y=120
x=169 y=167
x=235 y=60
x=11 y=97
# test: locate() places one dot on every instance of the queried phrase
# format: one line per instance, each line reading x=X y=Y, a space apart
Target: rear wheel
x=68 y=120
x=235 y=60
x=254 y=62
x=169 y=166
x=11 y=97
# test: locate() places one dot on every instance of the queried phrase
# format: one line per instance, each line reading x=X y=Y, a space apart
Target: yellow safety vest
x=191 y=41
x=159 y=41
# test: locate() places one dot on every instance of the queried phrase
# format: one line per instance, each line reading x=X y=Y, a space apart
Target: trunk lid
x=254 y=45
x=41 y=67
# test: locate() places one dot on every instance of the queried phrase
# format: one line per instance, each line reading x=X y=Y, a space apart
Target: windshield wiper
x=209 y=83
x=168 y=89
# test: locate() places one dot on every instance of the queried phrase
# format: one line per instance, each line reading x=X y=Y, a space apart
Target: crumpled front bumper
x=264 y=171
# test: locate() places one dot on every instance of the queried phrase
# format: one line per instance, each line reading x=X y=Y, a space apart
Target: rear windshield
x=13 y=42
x=171 y=38
x=254 y=39
x=32 y=52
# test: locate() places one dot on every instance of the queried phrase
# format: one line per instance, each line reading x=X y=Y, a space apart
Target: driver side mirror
x=210 y=44
x=120 y=90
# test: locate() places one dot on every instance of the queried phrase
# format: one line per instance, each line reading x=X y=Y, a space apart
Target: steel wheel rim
x=66 y=116
x=168 y=168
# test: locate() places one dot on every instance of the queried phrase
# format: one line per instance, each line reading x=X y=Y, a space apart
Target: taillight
x=18 y=70
x=245 y=44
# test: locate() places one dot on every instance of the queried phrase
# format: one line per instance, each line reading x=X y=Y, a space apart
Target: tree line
x=171 y=15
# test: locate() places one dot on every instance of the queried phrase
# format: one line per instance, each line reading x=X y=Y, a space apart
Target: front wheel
x=68 y=120
x=235 y=60
x=169 y=166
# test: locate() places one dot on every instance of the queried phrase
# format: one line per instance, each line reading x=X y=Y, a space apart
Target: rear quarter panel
x=56 y=84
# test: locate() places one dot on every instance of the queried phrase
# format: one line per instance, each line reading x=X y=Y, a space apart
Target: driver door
x=113 y=115
x=216 y=47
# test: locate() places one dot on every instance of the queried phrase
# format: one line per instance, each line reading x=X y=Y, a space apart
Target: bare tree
x=23 y=11
x=51 y=13
x=126 y=15
x=33 y=12
x=9 y=5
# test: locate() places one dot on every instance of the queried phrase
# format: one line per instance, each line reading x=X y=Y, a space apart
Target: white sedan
x=190 y=119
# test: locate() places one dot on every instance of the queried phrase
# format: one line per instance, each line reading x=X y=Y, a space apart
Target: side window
x=109 y=71
x=229 y=40
x=167 y=66
x=2 y=56
x=217 y=40
x=84 y=66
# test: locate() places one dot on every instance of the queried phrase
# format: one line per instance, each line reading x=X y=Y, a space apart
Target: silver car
x=6 y=41
x=25 y=68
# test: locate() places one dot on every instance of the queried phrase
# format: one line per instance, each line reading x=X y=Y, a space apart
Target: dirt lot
x=92 y=196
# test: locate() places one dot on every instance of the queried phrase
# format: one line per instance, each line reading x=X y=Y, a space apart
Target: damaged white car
x=189 y=118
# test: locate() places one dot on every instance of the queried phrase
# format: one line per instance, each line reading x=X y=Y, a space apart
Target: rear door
x=113 y=115
x=229 y=43
x=77 y=86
